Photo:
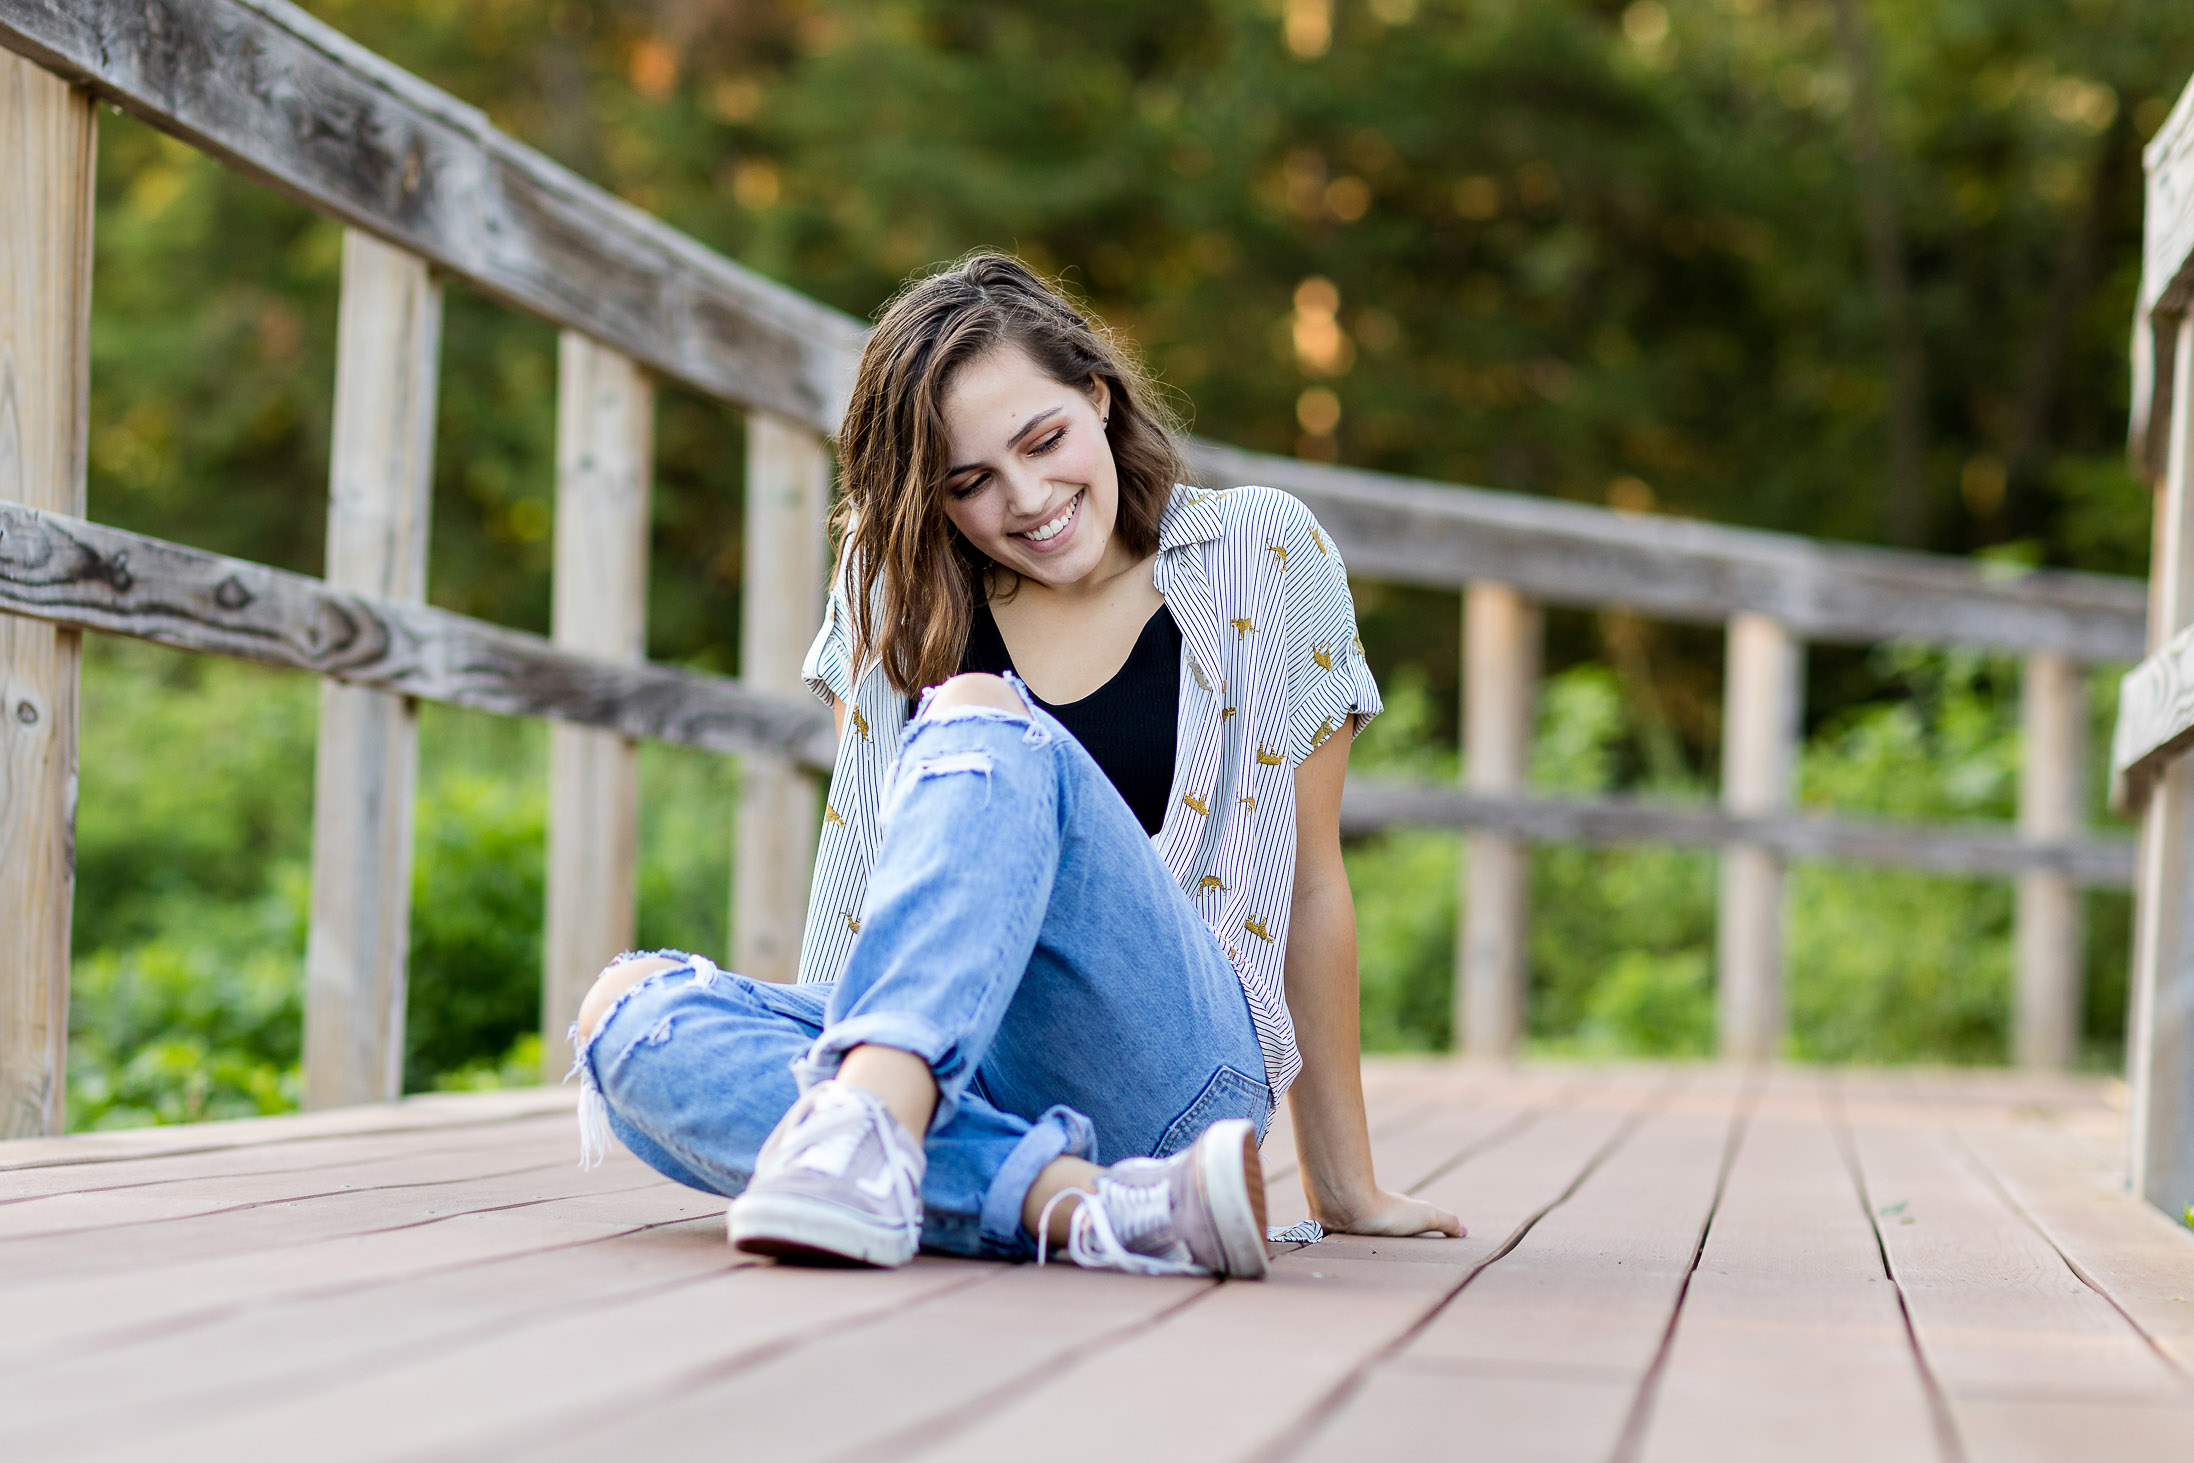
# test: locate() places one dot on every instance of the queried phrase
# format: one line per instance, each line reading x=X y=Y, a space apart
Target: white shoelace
x=842 y=1124
x=1106 y=1221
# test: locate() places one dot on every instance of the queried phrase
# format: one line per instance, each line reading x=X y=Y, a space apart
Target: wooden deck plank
x=411 y=1115
x=297 y=1346
x=460 y=1185
x=2118 y=1244
x=602 y=1364
x=82 y=1214
x=31 y=1185
x=51 y=1315
x=2008 y=1328
x=1545 y=1351
x=355 y=1323
x=1791 y=1345
x=1236 y=1374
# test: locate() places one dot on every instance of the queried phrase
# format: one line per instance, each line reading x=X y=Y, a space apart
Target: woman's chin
x=1072 y=564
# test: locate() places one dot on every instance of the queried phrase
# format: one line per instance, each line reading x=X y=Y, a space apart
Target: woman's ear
x=1100 y=396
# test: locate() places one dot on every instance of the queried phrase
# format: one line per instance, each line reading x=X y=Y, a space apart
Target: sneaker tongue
x=1142 y=1213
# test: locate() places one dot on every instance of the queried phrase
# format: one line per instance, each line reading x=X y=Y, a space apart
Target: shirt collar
x=1190 y=518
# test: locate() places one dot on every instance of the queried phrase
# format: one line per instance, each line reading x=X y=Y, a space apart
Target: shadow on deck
x=1663 y=1264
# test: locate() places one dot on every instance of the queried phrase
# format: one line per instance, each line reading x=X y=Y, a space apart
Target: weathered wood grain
x=47 y=165
x=2155 y=719
x=1791 y=1345
x=1760 y=729
x=380 y=499
x=426 y=1112
x=1989 y=851
x=289 y=101
x=2028 y=1356
x=780 y=604
x=2167 y=245
x=297 y=1346
x=1500 y=687
x=2048 y=939
x=605 y=448
x=2141 y=1260
x=91 y=577
x=2160 y=1026
x=1413 y=531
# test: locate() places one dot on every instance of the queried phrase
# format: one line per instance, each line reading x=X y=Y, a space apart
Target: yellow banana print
x=832 y=815
x=1257 y=928
x=1241 y=627
x=1196 y=803
x=1323 y=654
x=1210 y=881
x=860 y=723
x=1325 y=729
x=1321 y=543
x=1278 y=552
x=1198 y=672
x=853 y=924
x=1248 y=802
x=1267 y=759
x=1226 y=712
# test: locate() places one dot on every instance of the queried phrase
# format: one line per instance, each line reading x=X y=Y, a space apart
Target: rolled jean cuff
x=895 y=1029
x=1059 y=1133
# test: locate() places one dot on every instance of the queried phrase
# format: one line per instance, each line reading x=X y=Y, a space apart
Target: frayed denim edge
x=594 y=1133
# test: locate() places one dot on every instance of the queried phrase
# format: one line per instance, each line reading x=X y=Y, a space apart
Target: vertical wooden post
x=605 y=435
x=1500 y=682
x=2160 y=1021
x=1759 y=749
x=379 y=482
x=2052 y=797
x=788 y=496
x=48 y=147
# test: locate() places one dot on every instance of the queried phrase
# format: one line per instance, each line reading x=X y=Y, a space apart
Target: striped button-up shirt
x=1271 y=667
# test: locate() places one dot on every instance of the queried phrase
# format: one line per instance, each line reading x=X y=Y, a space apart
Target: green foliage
x=1886 y=966
x=1627 y=264
x=194 y=854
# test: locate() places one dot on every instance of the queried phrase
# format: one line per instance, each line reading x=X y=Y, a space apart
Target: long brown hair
x=912 y=579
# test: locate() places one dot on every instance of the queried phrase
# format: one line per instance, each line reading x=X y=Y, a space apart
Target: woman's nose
x=1026 y=493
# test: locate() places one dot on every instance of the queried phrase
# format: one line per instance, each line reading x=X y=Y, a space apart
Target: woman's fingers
x=1399 y=1216
x=1444 y=1222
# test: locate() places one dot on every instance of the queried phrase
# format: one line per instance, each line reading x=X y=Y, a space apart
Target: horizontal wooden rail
x=1415 y=531
x=1372 y=805
x=2155 y=718
x=69 y=572
x=292 y=102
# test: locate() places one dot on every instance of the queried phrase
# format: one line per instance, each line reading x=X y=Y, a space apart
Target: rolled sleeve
x=1327 y=676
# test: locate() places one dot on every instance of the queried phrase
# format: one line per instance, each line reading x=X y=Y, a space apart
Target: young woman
x=1079 y=895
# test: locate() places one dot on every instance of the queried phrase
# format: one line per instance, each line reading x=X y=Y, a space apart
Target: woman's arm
x=1327 y=1100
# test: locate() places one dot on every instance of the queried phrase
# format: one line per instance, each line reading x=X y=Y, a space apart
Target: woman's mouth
x=1046 y=533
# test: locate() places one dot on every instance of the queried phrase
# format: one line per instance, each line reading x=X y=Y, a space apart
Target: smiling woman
x=1079 y=887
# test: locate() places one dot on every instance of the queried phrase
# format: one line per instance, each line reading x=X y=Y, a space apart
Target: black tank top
x=1128 y=724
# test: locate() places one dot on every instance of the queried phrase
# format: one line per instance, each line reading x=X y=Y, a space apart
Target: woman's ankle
x=901 y=1079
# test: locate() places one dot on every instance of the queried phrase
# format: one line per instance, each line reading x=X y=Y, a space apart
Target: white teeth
x=1050 y=530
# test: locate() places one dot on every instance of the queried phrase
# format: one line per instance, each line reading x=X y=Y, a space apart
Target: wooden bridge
x=1738 y=1260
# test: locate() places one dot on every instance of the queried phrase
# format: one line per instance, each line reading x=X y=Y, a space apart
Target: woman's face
x=1031 y=480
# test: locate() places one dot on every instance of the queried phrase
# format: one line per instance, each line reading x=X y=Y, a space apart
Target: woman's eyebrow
x=1013 y=441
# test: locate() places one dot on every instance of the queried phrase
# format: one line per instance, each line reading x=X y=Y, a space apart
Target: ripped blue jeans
x=1022 y=936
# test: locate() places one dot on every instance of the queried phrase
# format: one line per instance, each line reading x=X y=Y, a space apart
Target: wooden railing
x=430 y=190
x=2149 y=766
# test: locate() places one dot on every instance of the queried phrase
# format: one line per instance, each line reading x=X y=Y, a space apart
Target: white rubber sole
x=1233 y=1181
x=789 y=1227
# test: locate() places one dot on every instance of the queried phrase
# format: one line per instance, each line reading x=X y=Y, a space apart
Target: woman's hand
x=1393 y=1215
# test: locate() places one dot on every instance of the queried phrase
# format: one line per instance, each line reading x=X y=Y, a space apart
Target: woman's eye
x=1047 y=443
x=968 y=487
